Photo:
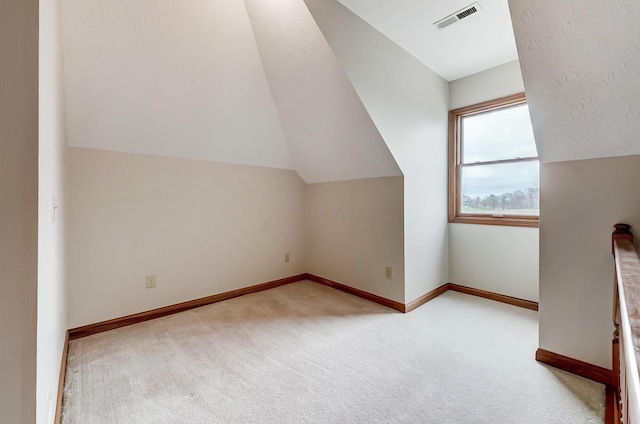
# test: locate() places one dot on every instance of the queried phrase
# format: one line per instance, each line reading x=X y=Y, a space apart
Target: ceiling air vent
x=460 y=14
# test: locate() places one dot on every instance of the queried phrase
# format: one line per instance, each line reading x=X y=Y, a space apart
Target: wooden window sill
x=511 y=221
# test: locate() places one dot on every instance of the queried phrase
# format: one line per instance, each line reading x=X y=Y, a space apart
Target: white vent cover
x=460 y=14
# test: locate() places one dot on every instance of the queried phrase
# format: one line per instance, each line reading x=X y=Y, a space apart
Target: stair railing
x=626 y=320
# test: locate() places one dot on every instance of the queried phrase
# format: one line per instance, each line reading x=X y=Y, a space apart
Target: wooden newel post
x=621 y=232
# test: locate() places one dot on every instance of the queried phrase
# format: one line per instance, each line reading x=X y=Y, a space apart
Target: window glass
x=493 y=164
x=499 y=134
x=506 y=188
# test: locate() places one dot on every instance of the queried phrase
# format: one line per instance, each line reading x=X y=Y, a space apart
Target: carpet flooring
x=306 y=353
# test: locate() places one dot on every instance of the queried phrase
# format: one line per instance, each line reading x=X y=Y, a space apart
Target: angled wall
x=409 y=104
x=187 y=80
x=330 y=134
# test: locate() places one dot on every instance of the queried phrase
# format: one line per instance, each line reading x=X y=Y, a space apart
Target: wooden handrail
x=626 y=320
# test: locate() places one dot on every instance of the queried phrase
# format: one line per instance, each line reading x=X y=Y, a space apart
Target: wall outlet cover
x=152 y=281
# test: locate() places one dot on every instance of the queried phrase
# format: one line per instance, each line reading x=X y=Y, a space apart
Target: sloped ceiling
x=407 y=101
x=329 y=131
x=580 y=62
x=171 y=78
x=186 y=79
x=480 y=41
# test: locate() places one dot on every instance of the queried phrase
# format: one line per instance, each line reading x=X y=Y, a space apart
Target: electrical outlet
x=389 y=273
x=286 y=257
x=152 y=280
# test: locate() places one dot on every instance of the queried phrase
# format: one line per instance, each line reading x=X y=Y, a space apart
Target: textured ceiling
x=478 y=42
x=581 y=67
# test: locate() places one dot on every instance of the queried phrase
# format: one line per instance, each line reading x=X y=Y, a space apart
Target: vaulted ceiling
x=255 y=82
x=217 y=80
x=171 y=78
x=331 y=135
x=250 y=82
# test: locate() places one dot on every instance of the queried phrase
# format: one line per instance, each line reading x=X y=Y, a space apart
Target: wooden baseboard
x=357 y=292
x=574 y=366
x=426 y=297
x=100 y=327
x=528 y=304
x=87 y=330
x=562 y=362
x=63 y=374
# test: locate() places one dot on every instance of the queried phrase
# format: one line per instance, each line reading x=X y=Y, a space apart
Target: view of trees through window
x=499 y=168
x=517 y=202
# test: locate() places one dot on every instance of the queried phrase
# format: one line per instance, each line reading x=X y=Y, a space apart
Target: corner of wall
x=52 y=213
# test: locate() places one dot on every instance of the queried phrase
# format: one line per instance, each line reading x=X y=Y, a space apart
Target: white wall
x=354 y=230
x=202 y=227
x=18 y=209
x=51 y=235
x=493 y=83
x=408 y=103
x=498 y=259
x=580 y=203
x=488 y=257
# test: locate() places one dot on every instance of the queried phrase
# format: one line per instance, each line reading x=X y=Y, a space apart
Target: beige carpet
x=306 y=353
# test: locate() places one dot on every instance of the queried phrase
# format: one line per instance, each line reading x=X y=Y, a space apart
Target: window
x=493 y=164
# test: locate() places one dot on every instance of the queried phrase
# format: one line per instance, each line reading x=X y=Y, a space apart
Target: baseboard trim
x=528 y=304
x=111 y=324
x=427 y=297
x=522 y=303
x=357 y=292
x=63 y=374
x=574 y=366
x=99 y=327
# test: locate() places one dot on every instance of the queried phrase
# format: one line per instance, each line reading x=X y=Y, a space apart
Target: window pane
x=498 y=135
x=508 y=189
